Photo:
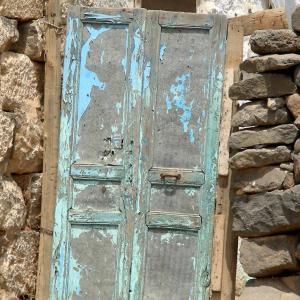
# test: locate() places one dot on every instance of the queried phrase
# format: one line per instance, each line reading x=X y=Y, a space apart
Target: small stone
x=257 y=180
x=18 y=264
x=261 y=86
x=274 y=41
x=289 y=181
x=7 y=127
x=267 y=213
x=297 y=146
x=275 y=103
x=12 y=206
x=297 y=76
x=293 y=104
x=297 y=122
x=8 y=33
x=31 y=40
x=253 y=158
x=268 y=63
x=22 y=10
x=269 y=256
x=256 y=113
x=296 y=159
x=282 y=134
x=287 y=166
x=296 y=19
x=297 y=254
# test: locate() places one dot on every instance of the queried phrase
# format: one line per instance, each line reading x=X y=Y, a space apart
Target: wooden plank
x=266 y=19
x=51 y=132
x=173 y=221
x=95 y=217
x=137 y=3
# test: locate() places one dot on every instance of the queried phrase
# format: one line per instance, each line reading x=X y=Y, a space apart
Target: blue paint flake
x=162 y=50
x=146 y=80
x=88 y=78
x=177 y=100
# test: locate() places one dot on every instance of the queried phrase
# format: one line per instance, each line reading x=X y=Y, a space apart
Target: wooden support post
x=51 y=125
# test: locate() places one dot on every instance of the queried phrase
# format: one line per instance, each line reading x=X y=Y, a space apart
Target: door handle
x=170 y=174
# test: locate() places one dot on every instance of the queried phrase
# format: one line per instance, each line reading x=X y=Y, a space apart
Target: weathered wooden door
x=138 y=147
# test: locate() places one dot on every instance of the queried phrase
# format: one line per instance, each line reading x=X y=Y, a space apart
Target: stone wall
x=21 y=144
x=265 y=159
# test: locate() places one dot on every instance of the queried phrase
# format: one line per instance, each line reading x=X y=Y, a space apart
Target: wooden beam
x=51 y=126
x=266 y=19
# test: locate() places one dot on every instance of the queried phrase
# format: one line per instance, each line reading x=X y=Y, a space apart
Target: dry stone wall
x=22 y=59
x=265 y=160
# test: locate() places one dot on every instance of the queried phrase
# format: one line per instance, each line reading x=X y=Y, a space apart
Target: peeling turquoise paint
x=162 y=50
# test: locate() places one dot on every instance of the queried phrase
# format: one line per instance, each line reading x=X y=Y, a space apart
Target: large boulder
x=269 y=256
x=258 y=180
x=274 y=41
x=257 y=113
x=8 y=33
x=261 y=86
x=7 y=127
x=18 y=263
x=253 y=158
x=278 y=288
x=12 y=206
x=293 y=104
x=22 y=10
x=21 y=92
x=282 y=134
x=31 y=41
x=269 y=63
x=267 y=213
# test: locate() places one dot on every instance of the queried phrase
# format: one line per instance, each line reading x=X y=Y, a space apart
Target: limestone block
x=267 y=213
x=8 y=33
x=257 y=113
x=22 y=10
x=289 y=181
x=276 y=41
x=12 y=205
x=257 y=180
x=296 y=159
x=31 y=41
x=253 y=158
x=289 y=166
x=283 y=288
x=21 y=92
x=275 y=103
x=269 y=256
x=18 y=264
x=260 y=86
x=31 y=185
x=7 y=127
x=282 y=134
x=293 y=104
x=268 y=63
x=296 y=19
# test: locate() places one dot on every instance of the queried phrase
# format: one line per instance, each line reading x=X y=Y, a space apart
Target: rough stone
x=297 y=146
x=258 y=114
x=260 y=86
x=275 y=103
x=12 y=205
x=8 y=33
x=293 y=104
x=287 y=166
x=289 y=181
x=296 y=19
x=297 y=122
x=283 y=288
x=7 y=126
x=258 y=180
x=297 y=253
x=21 y=92
x=22 y=10
x=31 y=41
x=18 y=264
x=276 y=41
x=253 y=158
x=296 y=159
x=267 y=213
x=5 y=295
x=268 y=63
x=31 y=185
x=269 y=256
x=282 y=134
x=297 y=76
